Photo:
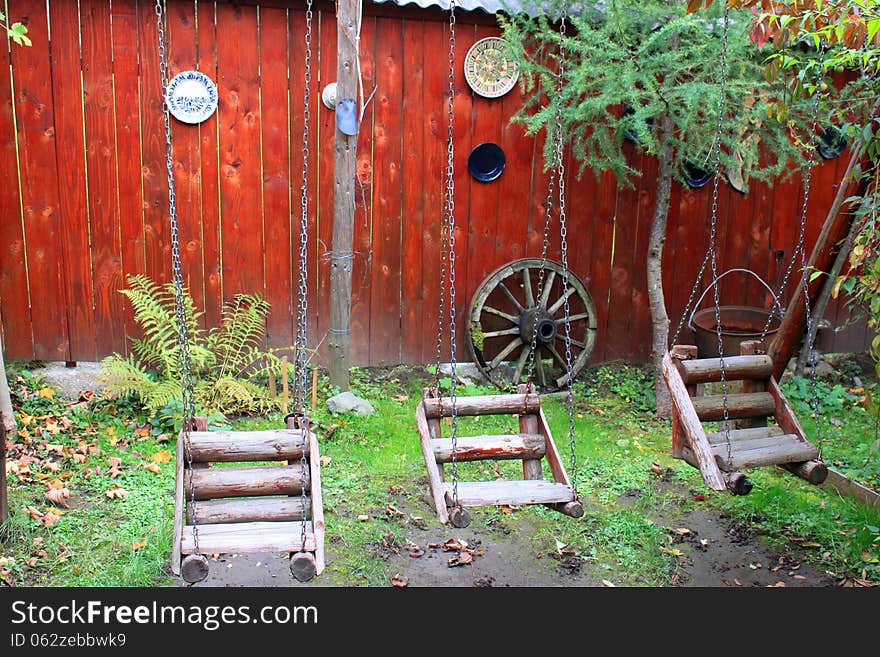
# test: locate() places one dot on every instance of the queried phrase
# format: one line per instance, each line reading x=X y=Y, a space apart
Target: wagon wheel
x=505 y=311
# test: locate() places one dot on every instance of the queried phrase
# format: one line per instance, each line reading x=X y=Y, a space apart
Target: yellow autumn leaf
x=153 y=467
x=46 y=393
x=161 y=457
x=673 y=551
x=116 y=493
x=140 y=544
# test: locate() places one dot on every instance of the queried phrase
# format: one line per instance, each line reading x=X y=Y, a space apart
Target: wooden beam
x=849 y=488
x=751 y=405
x=317 y=503
x=179 y=502
x=834 y=230
x=785 y=416
x=247 y=482
x=243 y=537
x=708 y=370
x=344 y=162
x=256 y=509
x=783 y=451
x=241 y=446
x=689 y=423
x=529 y=446
x=483 y=405
x=528 y=425
x=490 y=493
x=434 y=484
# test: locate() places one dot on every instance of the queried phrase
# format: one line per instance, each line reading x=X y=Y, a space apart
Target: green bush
x=229 y=367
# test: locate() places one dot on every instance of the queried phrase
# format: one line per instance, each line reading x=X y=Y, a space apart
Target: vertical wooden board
x=35 y=118
x=783 y=232
x=692 y=242
x=361 y=274
x=433 y=126
x=125 y=45
x=729 y=247
x=325 y=122
x=464 y=142
x=388 y=184
x=640 y=330
x=14 y=302
x=413 y=281
x=482 y=212
x=67 y=95
x=103 y=189
x=622 y=274
x=673 y=290
x=210 y=175
x=297 y=50
x=758 y=251
x=154 y=173
x=182 y=56
x=274 y=104
x=239 y=117
x=600 y=268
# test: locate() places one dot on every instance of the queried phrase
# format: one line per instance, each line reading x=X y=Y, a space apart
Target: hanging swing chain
x=802 y=230
x=186 y=380
x=563 y=238
x=300 y=366
x=449 y=208
x=713 y=231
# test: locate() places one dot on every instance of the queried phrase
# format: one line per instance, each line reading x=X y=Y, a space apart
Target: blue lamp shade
x=486 y=162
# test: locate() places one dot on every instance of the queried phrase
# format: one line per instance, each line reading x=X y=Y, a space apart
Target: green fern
x=228 y=361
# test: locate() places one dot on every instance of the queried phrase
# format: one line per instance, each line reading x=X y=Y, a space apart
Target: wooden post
x=7 y=427
x=835 y=229
x=528 y=424
x=751 y=348
x=344 y=151
x=285 y=387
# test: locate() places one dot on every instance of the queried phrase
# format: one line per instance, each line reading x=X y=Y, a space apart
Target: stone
x=348 y=402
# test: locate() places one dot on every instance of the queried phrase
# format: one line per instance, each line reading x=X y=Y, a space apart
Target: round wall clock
x=489 y=69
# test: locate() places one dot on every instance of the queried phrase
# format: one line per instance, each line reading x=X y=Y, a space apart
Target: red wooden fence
x=84 y=197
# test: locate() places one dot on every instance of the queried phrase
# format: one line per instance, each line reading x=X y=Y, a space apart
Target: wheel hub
x=537 y=322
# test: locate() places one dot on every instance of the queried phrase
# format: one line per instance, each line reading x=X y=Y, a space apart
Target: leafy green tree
x=663 y=64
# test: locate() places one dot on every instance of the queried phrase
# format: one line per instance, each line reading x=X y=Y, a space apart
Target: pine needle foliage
x=229 y=365
x=653 y=58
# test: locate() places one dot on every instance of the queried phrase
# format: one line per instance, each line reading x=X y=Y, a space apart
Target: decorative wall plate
x=489 y=69
x=831 y=142
x=191 y=96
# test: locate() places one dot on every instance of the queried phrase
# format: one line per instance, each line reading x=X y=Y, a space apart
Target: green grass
x=375 y=463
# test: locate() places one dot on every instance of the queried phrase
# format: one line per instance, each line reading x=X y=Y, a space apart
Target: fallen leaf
x=673 y=551
x=778 y=585
x=46 y=393
x=161 y=457
x=363 y=517
x=400 y=398
x=699 y=497
x=116 y=493
x=155 y=468
x=453 y=545
x=683 y=531
x=50 y=519
x=58 y=449
x=810 y=544
x=115 y=465
x=463 y=558
x=32 y=562
x=325 y=461
x=655 y=468
x=610 y=585
x=416 y=552
x=140 y=544
x=38 y=540
x=399 y=581
x=58 y=496
x=393 y=512
x=163 y=438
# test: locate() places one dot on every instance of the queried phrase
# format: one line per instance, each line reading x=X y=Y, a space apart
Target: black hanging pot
x=486 y=162
x=831 y=143
x=695 y=175
x=628 y=133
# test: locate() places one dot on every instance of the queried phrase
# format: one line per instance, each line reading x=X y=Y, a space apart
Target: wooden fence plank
x=103 y=187
x=277 y=217
x=35 y=117
x=67 y=95
x=388 y=183
x=239 y=117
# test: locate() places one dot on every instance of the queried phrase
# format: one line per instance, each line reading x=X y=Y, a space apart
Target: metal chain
x=450 y=228
x=563 y=238
x=713 y=230
x=802 y=231
x=300 y=370
x=186 y=380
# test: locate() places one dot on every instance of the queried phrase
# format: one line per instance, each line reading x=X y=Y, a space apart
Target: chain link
x=300 y=369
x=180 y=314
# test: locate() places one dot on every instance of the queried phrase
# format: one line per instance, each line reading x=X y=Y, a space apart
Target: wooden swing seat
x=250 y=508
x=532 y=445
x=753 y=443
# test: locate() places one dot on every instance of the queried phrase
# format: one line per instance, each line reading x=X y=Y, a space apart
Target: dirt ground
x=716 y=552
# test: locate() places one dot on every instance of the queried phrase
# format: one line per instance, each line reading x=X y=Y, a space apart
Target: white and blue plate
x=191 y=97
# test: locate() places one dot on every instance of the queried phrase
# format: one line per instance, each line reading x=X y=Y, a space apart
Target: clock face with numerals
x=489 y=69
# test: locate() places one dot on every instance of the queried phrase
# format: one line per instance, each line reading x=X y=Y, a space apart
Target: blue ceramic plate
x=486 y=162
x=191 y=96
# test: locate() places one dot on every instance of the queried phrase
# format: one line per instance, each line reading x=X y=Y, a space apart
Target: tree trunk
x=654 y=268
x=7 y=426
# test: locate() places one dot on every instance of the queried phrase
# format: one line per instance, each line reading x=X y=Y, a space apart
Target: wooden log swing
x=720 y=455
x=533 y=444
x=248 y=508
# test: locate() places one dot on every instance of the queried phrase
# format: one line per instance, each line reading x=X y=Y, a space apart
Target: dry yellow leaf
x=116 y=493
x=673 y=551
x=58 y=496
x=140 y=544
x=161 y=457
x=46 y=393
x=153 y=467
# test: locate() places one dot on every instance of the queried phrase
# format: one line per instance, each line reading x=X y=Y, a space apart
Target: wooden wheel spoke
x=521 y=363
x=556 y=306
x=504 y=352
x=501 y=313
x=576 y=343
x=555 y=354
x=548 y=288
x=510 y=296
x=539 y=364
x=496 y=334
x=578 y=317
x=527 y=288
